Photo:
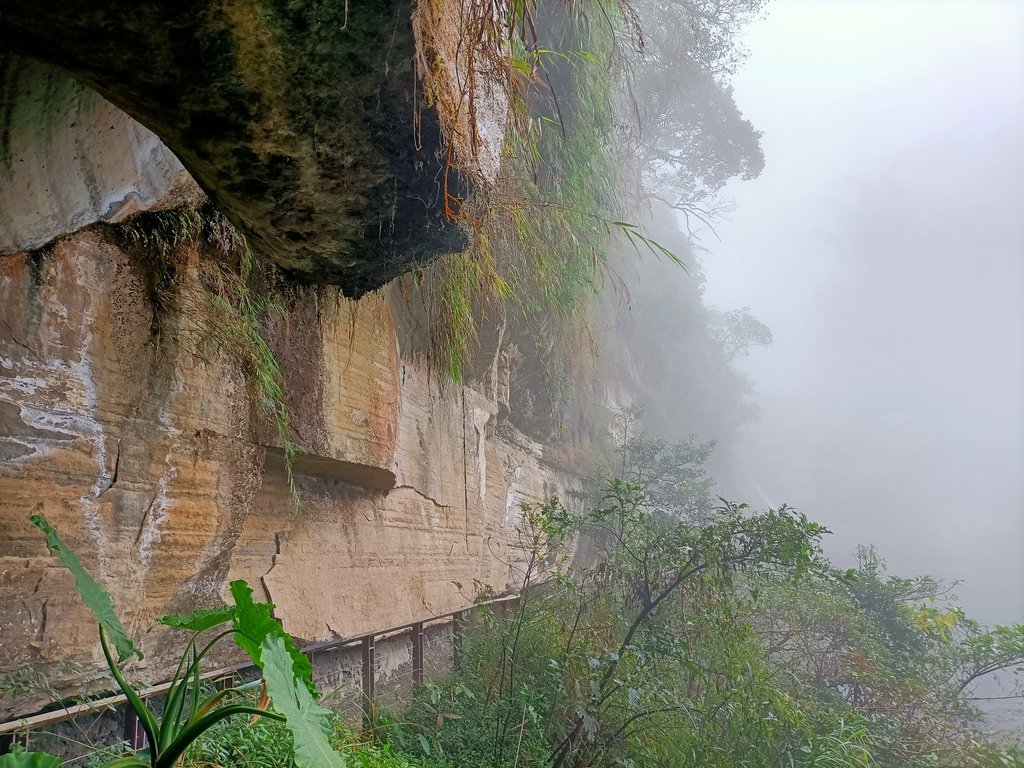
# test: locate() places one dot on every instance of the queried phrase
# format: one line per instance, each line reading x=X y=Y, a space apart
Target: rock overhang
x=304 y=123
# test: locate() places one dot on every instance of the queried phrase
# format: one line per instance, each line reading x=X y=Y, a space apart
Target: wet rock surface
x=303 y=123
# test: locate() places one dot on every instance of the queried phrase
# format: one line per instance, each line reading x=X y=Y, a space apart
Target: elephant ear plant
x=187 y=714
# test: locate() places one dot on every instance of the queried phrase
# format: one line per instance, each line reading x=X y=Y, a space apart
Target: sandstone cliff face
x=69 y=158
x=153 y=466
x=156 y=468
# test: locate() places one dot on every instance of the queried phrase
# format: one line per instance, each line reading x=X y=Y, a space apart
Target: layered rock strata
x=156 y=470
x=146 y=451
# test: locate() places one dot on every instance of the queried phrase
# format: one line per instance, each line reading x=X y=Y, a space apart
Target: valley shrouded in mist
x=528 y=384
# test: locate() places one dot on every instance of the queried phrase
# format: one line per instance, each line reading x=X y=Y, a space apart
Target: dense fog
x=741 y=269
x=883 y=245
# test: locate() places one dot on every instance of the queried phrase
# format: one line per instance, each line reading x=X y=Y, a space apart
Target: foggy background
x=883 y=245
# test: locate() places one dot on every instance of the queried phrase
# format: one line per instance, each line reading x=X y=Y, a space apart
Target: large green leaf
x=310 y=723
x=201 y=620
x=93 y=595
x=22 y=759
x=254 y=623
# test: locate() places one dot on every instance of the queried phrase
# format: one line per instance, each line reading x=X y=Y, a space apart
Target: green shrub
x=265 y=743
x=189 y=710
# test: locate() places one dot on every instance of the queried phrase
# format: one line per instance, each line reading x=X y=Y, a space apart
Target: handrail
x=110 y=702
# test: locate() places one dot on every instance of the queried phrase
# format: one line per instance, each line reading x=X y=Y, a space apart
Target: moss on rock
x=303 y=122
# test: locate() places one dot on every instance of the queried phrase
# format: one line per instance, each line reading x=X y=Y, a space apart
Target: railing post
x=134 y=733
x=225 y=682
x=457 y=639
x=369 y=683
x=417 y=654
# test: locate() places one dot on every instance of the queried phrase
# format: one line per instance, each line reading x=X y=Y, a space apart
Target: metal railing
x=15 y=730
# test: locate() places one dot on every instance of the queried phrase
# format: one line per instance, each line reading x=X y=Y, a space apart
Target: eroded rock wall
x=68 y=158
x=305 y=123
x=145 y=449
x=155 y=469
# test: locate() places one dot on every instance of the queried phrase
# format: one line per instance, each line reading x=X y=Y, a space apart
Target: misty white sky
x=884 y=246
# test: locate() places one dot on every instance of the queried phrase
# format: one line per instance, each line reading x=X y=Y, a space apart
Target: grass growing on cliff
x=220 y=304
x=540 y=234
x=233 y=325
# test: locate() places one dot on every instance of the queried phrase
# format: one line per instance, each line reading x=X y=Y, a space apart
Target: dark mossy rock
x=302 y=121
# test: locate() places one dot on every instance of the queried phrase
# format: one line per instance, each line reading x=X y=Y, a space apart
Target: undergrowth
x=263 y=743
x=490 y=714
